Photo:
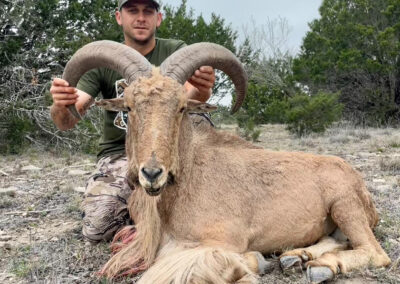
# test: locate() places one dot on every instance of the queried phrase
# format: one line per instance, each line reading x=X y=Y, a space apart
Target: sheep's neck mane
x=151 y=214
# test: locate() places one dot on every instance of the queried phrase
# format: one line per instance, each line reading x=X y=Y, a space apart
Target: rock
x=5 y=245
x=78 y=173
x=6 y=277
x=384 y=187
x=30 y=168
x=366 y=155
x=376 y=180
x=10 y=191
x=80 y=189
x=54 y=239
x=5 y=238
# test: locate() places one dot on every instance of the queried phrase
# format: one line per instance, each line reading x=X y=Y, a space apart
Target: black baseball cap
x=151 y=2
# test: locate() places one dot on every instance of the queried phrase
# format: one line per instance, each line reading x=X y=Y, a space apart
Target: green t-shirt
x=102 y=81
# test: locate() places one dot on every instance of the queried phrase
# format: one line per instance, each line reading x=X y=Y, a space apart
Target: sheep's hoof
x=264 y=266
x=318 y=274
x=290 y=261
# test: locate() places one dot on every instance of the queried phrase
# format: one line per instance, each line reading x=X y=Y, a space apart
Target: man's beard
x=143 y=41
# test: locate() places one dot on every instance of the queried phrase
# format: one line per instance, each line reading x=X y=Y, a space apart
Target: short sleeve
x=179 y=45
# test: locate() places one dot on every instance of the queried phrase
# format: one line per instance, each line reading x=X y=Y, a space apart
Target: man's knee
x=103 y=215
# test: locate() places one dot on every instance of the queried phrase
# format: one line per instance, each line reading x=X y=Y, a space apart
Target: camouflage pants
x=105 y=201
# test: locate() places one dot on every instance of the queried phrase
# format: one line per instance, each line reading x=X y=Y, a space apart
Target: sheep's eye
x=182 y=110
x=129 y=109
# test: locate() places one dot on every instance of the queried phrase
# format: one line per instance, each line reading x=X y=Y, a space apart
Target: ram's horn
x=183 y=63
x=129 y=63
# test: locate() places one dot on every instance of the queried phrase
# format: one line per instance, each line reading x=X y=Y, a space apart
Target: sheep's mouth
x=154 y=191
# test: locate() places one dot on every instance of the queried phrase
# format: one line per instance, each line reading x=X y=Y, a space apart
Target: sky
x=240 y=14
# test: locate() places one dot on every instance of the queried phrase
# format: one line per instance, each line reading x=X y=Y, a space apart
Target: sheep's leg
x=298 y=257
x=354 y=222
x=257 y=263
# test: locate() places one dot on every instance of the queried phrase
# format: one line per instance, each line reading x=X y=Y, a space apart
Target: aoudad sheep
x=207 y=204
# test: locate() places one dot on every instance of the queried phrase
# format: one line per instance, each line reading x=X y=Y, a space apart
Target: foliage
x=37 y=38
x=308 y=114
x=354 y=49
x=247 y=126
x=222 y=116
x=13 y=138
x=270 y=86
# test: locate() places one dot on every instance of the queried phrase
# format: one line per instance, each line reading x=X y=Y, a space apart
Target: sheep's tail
x=177 y=264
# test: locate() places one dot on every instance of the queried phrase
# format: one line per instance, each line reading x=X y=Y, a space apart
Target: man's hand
x=203 y=80
x=62 y=94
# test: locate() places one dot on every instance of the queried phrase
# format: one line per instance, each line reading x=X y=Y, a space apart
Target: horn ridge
x=183 y=63
x=128 y=62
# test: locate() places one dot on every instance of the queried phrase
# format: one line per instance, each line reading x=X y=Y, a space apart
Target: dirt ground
x=41 y=192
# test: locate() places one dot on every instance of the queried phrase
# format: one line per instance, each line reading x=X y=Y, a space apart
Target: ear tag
x=121 y=120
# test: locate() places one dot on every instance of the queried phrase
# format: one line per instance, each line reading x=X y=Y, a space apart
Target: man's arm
x=63 y=95
x=199 y=86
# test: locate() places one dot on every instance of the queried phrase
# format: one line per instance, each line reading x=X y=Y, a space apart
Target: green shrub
x=222 y=116
x=265 y=104
x=247 y=126
x=13 y=137
x=312 y=113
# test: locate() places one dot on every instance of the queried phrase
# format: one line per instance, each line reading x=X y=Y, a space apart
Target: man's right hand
x=62 y=94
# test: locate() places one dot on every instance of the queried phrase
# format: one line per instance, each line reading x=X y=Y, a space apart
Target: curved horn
x=117 y=56
x=183 y=63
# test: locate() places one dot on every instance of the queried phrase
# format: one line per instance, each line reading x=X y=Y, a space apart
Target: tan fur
x=229 y=197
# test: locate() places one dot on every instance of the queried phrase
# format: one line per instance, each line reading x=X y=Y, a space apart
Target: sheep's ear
x=112 y=104
x=199 y=107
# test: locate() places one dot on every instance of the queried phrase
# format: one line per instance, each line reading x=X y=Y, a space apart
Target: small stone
x=366 y=155
x=80 y=189
x=376 y=180
x=78 y=173
x=10 y=191
x=30 y=168
x=54 y=239
x=5 y=238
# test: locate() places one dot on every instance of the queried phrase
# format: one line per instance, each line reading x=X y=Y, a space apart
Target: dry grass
x=43 y=218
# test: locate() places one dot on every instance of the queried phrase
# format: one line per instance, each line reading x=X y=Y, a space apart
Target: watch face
x=121 y=120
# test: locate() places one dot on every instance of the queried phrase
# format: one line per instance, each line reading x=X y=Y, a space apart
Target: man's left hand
x=203 y=79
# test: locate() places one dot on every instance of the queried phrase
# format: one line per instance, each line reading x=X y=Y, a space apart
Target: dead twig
x=29 y=212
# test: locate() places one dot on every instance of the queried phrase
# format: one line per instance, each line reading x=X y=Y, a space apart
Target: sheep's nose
x=151 y=174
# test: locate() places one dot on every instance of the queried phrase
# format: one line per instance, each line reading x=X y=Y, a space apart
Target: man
x=104 y=206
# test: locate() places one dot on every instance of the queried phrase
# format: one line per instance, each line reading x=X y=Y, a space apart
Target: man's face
x=139 y=21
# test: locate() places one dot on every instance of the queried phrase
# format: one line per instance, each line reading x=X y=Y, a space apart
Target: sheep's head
x=155 y=107
x=156 y=102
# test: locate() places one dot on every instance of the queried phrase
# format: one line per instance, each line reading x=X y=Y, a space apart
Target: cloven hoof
x=264 y=266
x=289 y=261
x=318 y=274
